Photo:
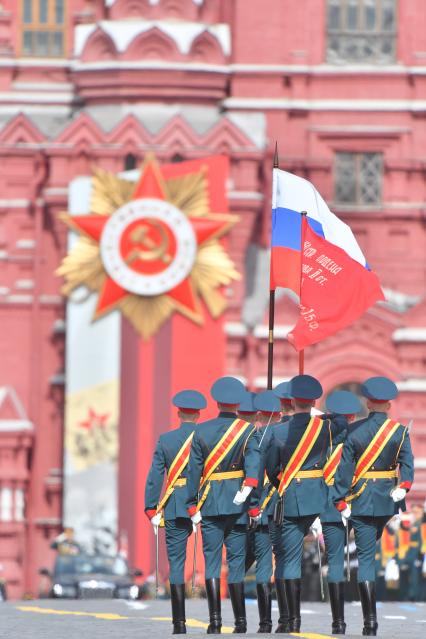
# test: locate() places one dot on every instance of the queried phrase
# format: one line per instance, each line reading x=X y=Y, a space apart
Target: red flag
x=335 y=290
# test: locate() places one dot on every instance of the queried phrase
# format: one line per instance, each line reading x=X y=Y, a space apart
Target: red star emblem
x=94 y=420
x=141 y=246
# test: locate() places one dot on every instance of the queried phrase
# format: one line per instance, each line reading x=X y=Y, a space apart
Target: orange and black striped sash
x=332 y=463
x=375 y=448
x=301 y=453
x=233 y=434
x=176 y=469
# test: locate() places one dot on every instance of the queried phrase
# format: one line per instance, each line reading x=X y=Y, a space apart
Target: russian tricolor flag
x=330 y=274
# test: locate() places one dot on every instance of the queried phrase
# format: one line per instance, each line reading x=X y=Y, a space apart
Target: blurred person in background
x=411 y=552
x=3 y=594
x=65 y=543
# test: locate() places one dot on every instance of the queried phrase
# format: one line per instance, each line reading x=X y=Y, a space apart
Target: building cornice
x=410 y=334
x=290 y=104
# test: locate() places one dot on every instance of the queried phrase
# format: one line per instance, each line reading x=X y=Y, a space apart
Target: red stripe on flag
x=285 y=268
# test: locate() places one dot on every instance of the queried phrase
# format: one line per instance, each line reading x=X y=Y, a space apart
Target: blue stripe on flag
x=286 y=228
x=316 y=226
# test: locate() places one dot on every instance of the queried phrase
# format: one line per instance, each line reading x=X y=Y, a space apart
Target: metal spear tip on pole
x=276 y=158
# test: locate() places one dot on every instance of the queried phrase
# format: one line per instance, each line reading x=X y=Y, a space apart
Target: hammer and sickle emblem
x=151 y=250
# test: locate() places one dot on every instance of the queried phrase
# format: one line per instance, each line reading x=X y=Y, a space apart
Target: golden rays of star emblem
x=152 y=247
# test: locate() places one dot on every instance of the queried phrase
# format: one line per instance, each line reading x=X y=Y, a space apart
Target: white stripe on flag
x=295 y=193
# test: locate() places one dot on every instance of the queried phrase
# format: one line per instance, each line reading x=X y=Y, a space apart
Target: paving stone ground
x=55 y=619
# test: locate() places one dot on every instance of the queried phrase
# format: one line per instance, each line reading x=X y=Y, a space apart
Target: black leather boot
x=238 y=606
x=283 y=625
x=367 y=593
x=264 y=604
x=213 y=599
x=337 y=603
x=292 y=592
x=177 y=594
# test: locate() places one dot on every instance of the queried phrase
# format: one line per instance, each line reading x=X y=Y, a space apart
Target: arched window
x=43 y=28
x=130 y=162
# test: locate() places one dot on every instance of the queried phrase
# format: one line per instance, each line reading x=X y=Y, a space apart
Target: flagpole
x=302 y=242
x=272 y=308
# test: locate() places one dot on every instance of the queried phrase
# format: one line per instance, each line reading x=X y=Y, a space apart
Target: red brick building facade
x=340 y=84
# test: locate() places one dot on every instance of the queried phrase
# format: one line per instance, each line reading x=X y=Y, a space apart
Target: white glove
x=155 y=521
x=196 y=520
x=398 y=494
x=346 y=515
x=316 y=527
x=242 y=495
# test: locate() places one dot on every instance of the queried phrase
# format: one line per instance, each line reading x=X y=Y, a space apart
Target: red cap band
x=190 y=411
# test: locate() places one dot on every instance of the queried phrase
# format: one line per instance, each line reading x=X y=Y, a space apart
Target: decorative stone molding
x=124 y=32
x=99 y=46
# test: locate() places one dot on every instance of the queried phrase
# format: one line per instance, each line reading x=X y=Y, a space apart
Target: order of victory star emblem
x=152 y=247
x=148 y=247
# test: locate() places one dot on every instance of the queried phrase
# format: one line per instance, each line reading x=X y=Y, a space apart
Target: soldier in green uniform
x=265 y=500
x=259 y=547
x=342 y=407
x=367 y=478
x=294 y=466
x=223 y=470
x=282 y=391
x=171 y=456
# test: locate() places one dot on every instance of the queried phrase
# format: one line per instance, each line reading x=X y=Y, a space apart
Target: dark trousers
x=367 y=531
x=335 y=540
x=293 y=531
x=177 y=533
x=259 y=550
x=220 y=531
x=277 y=548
